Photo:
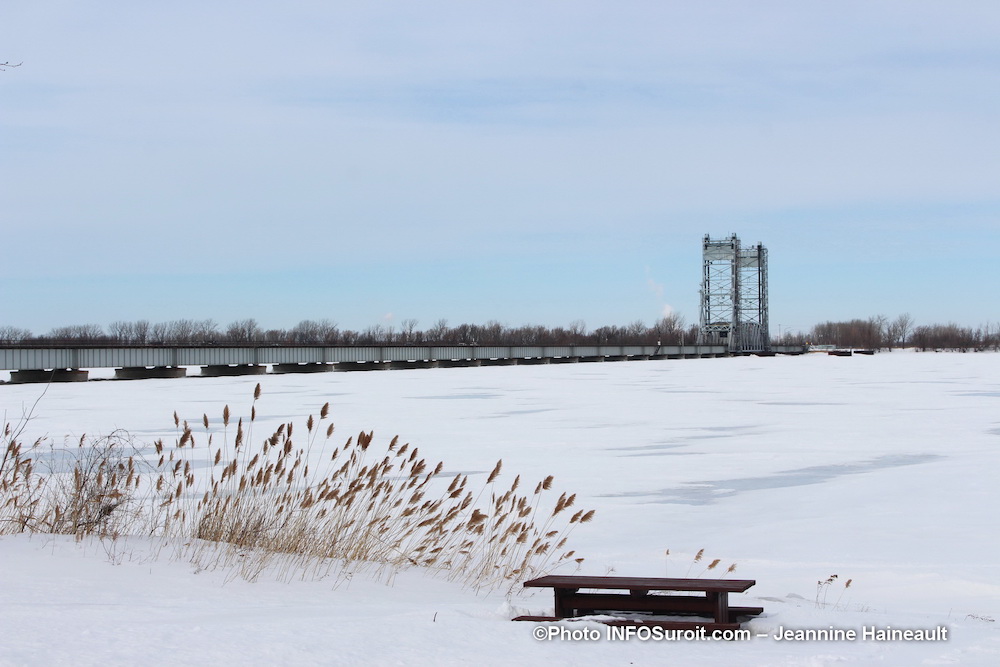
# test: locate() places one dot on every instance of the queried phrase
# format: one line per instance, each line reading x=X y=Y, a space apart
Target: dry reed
x=303 y=508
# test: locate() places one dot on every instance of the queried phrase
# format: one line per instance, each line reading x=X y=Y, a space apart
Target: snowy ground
x=878 y=469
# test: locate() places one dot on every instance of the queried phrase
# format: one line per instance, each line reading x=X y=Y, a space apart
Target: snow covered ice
x=881 y=470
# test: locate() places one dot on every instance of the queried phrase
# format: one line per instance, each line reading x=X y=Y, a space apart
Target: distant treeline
x=666 y=331
x=873 y=333
x=881 y=333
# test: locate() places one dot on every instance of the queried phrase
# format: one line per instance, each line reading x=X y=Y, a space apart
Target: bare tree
x=439 y=332
x=608 y=335
x=121 y=331
x=577 y=330
x=10 y=334
x=668 y=329
x=876 y=334
x=948 y=337
x=310 y=331
x=328 y=331
x=204 y=331
x=182 y=331
x=407 y=328
x=901 y=328
x=274 y=336
x=81 y=332
x=494 y=333
x=244 y=331
x=464 y=334
x=306 y=331
x=991 y=336
x=158 y=333
x=635 y=330
x=140 y=330
x=375 y=334
x=853 y=333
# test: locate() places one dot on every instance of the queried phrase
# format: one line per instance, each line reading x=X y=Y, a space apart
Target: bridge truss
x=734 y=296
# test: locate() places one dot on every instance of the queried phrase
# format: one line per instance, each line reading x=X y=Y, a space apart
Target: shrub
x=93 y=495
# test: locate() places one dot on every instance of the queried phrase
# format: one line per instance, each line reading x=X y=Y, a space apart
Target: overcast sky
x=529 y=162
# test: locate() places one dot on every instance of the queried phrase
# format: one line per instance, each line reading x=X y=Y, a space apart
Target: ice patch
x=707 y=492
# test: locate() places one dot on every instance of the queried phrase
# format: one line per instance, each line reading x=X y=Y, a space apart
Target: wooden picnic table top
x=641 y=583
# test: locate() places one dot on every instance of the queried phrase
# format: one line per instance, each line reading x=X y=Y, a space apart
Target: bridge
x=70 y=363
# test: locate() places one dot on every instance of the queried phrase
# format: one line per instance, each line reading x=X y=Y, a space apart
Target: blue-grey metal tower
x=734 y=296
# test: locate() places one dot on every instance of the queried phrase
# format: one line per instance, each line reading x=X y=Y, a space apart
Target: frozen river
x=879 y=469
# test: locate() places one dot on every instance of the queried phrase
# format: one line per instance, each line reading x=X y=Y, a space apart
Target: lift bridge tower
x=734 y=296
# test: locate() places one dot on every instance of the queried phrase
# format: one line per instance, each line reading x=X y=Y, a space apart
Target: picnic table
x=657 y=596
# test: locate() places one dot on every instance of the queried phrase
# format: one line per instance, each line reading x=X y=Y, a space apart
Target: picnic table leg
x=562 y=609
x=721 y=604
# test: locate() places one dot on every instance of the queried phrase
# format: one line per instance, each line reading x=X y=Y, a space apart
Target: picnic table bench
x=640 y=596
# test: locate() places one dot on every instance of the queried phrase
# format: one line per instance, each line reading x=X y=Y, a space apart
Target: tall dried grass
x=301 y=507
x=84 y=490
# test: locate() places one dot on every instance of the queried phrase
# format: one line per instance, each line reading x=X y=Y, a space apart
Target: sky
x=527 y=162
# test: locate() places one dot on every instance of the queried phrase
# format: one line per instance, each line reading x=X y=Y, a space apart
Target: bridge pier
x=459 y=363
x=565 y=360
x=228 y=371
x=591 y=359
x=361 y=366
x=54 y=375
x=407 y=365
x=499 y=362
x=318 y=367
x=145 y=373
